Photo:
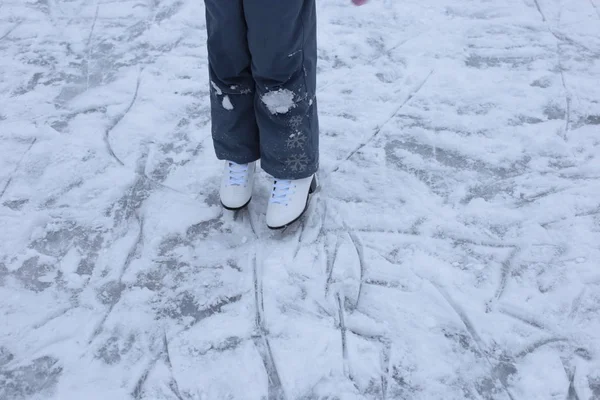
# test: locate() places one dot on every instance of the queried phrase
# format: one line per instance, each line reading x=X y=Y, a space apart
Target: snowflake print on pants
x=297 y=162
x=295 y=122
x=296 y=141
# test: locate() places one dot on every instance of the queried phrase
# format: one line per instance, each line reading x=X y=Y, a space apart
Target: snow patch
x=227 y=103
x=280 y=101
x=217 y=89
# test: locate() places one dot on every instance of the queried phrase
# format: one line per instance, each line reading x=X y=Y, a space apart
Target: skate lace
x=238 y=173
x=281 y=191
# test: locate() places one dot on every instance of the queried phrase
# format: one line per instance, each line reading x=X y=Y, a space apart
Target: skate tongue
x=237 y=173
x=281 y=191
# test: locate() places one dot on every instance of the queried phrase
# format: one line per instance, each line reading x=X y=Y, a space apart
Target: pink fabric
x=359 y=2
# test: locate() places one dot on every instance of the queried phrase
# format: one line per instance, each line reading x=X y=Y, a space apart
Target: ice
x=451 y=253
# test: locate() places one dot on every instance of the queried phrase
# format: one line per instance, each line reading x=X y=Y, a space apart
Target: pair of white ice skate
x=288 y=201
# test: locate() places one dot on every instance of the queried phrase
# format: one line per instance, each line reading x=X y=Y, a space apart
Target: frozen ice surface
x=452 y=253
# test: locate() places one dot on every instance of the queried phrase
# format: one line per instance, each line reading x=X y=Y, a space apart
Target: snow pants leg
x=262 y=66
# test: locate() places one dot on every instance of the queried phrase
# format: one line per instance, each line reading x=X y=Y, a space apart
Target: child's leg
x=282 y=38
x=234 y=129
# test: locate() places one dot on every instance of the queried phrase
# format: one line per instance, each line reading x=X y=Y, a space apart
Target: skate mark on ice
x=463 y=317
x=115 y=288
x=128 y=205
x=577 y=303
x=142 y=168
x=537 y=6
x=275 y=390
x=261 y=339
x=197 y=315
x=258 y=295
x=595 y=211
x=536 y=345
x=173 y=385
x=526 y=319
x=10 y=30
x=299 y=241
x=582 y=48
x=361 y=259
x=186 y=307
x=54 y=198
x=230 y=343
x=388 y=283
x=385 y=357
x=343 y=336
x=462 y=339
x=91 y=34
x=385 y=284
x=378 y=129
x=584 y=354
x=118 y=119
x=497 y=370
x=52 y=317
x=386 y=360
x=560 y=39
x=331 y=257
x=567 y=96
x=538 y=196
x=135 y=250
x=460 y=241
x=561 y=69
x=100 y=326
x=246 y=214
x=138 y=389
x=320 y=211
x=8 y=182
x=15 y=205
x=344 y=339
x=88 y=46
x=572 y=391
x=333 y=243
x=505 y=272
x=595 y=8
x=251 y=222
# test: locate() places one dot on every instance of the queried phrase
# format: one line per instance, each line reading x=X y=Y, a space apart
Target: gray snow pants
x=262 y=65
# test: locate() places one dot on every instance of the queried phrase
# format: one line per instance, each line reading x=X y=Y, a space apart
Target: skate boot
x=289 y=200
x=237 y=184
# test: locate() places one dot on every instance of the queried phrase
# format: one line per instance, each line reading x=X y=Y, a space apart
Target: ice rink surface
x=453 y=251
